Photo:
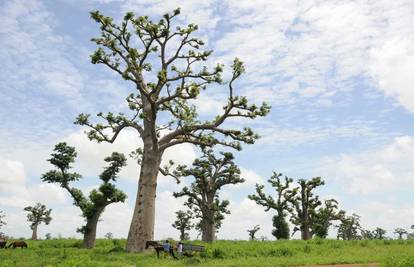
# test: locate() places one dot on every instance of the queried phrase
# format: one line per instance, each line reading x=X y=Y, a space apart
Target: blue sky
x=337 y=74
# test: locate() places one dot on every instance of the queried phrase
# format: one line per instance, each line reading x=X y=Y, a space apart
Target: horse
x=159 y=248
x=17 y=244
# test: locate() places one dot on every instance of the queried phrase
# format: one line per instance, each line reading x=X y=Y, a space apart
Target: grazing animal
x=17 y=244
x=3 y=244
x=158 y=248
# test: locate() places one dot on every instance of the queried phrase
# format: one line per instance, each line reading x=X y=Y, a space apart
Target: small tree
x=379 y=233
x=279 y=203
x=48 y=236
x=163 y=63
x=400 y=232
x=2 y=222
x=349 y=227
x=367 y=234
x=109 y=235
x=322 y=218
x=36 y=215
x=304 y=204
x=183 y=223
x=94 y=206
x=211 y=174
x=253 y=231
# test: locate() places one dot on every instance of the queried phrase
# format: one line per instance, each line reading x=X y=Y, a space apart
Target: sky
x=338 y=75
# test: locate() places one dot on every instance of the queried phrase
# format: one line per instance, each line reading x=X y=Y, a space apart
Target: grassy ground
x=66 y=252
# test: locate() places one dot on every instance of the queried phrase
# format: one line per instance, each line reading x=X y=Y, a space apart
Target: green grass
x=67 y=252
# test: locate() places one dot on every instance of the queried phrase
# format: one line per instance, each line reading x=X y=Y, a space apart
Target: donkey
x=17 y=244
x=159 y=248
x=3 y=243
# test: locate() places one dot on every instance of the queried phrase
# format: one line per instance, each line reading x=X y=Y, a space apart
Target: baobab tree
x=163 y=63
x=379 y=233
x=183 y=223
x=349 y=227
x=400 y=232
x=211 y=173
x=37 y=215
x=99 y=199
x=321 y=219
x=252 y=232
x=2 y=222
x=304 y=204
x=279 y=203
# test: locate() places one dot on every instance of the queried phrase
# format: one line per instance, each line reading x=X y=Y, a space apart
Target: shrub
x=218 y=253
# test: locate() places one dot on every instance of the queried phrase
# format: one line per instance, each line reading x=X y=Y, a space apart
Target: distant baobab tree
x=210 y=174
x=37 y=215
x=252 y=232
x=279 y=203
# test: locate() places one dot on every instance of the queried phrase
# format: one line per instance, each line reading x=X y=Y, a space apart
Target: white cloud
x=245 y=215
x=192 y=11
x=17 y=192
x=251 y=178
x=34 y=54
x=388 y=216
x=308 y=52
x=380 y=170
x=272 y=134
x=393 y=67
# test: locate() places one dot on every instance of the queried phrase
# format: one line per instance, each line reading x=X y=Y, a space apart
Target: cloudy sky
x=338 y=74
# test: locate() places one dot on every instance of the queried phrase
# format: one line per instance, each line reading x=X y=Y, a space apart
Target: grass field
x=66 y=252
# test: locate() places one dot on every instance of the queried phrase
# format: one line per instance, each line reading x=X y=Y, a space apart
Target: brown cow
x=17 y=244
x=3 y=243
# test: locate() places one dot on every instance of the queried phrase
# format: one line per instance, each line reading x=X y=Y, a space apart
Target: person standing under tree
x=180 y=249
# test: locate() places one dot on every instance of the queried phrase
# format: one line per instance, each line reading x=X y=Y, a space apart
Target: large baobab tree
x=211 y=173
x=279 y=203
x=99 y=199
x=304 y=204
x=183 y=223
x=163 y=63
x=36 y=215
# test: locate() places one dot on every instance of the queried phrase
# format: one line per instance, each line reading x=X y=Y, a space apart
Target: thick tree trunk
x=142 y=224
x=208 y=232
x=34 y=233
x=182 y=234
x=208 y=221
x=304 y=228
x=89 y=237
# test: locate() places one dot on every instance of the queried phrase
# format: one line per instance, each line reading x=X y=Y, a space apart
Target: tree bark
x=305 y=233
x=142 y=224
x=89 y=237
x=208 y=221
x=208 y=232
x=34 y=233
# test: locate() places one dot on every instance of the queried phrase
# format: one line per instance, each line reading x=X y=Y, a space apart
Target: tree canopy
x=166 y=66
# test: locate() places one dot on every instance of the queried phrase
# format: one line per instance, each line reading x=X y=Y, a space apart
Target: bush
x=280 y=252
x=218 y=253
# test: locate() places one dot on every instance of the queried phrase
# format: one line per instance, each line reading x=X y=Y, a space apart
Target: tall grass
x=68 y=252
